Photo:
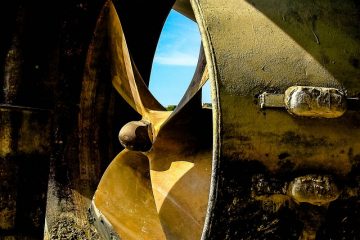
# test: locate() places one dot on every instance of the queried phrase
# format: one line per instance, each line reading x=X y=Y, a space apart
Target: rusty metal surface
x=24 y=158
x=267 y=46
x=70 y=83
x=44 y=66
x=25 y=122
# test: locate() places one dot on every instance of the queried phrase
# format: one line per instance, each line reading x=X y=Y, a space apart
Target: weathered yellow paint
x=250 y=52
x=258 y=46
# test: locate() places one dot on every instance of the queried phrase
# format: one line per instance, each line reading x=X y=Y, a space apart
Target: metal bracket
x=306 y=101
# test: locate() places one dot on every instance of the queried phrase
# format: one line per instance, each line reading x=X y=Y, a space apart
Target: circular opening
x=155 y=186
x=175 y=59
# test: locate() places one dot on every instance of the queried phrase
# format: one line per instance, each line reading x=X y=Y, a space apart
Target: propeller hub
x=136 y=136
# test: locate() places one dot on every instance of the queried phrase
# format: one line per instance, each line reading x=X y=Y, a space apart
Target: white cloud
x=176 y=58
x=179 y=42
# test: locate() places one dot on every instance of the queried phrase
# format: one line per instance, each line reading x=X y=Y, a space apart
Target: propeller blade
x=160 y=118
x=184 y=7
x=124 y=197
x=200 y=77
x=192 y=94
x=125 y=76
x=173 y=204
x=181 y=163
x=128 y=81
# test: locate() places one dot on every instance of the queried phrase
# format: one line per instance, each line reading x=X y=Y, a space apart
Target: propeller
x=157 y=187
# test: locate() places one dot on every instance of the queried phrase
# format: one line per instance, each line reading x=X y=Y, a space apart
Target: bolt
x=314 y=189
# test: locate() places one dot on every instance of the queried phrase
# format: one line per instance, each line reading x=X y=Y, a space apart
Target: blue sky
x=175 y=60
